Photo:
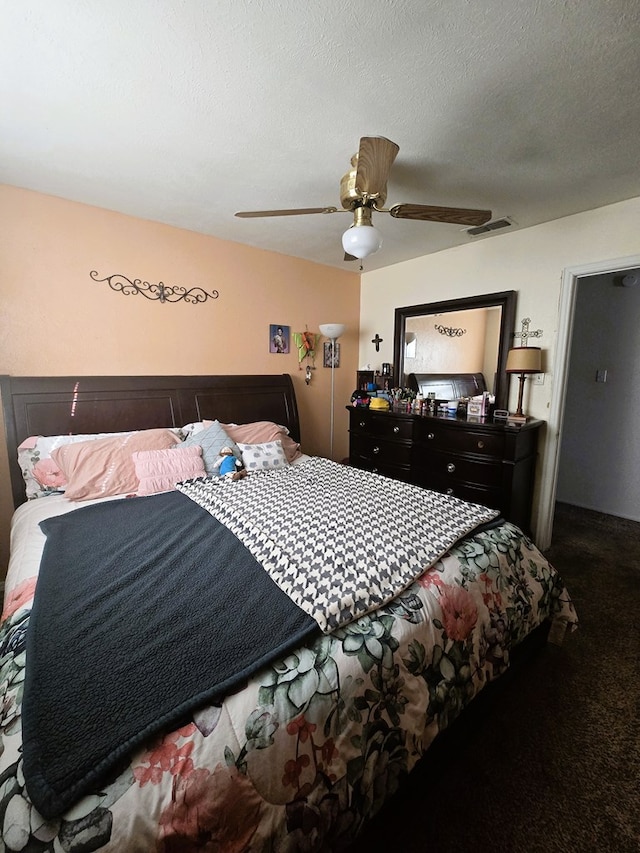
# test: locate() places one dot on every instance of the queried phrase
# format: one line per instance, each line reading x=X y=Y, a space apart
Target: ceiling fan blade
x=375 y=159
x=431 y=213
x=301 y=211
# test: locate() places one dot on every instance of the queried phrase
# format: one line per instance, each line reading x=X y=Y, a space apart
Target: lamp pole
x=333 y=367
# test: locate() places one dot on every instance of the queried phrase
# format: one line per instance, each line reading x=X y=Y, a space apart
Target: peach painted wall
x=55 y=321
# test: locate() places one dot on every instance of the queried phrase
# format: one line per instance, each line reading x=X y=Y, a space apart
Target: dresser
x=492 y=463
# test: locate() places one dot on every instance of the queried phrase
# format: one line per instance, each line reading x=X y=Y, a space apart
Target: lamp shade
x=361 y=240
x=524 y=360
x=332 y=330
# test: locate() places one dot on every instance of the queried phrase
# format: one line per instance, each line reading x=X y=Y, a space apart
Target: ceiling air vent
x=490 y=226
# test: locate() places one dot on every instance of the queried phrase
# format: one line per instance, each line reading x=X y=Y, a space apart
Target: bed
x=348 y=683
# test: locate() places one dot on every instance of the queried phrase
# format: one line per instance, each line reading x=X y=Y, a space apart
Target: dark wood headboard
x=62 y=405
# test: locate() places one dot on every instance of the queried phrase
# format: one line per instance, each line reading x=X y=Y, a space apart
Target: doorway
x=601 y=425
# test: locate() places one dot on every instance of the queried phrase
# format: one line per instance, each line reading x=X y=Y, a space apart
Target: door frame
x=563 y=339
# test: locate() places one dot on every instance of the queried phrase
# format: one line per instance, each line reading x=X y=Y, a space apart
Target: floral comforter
x=312 y=745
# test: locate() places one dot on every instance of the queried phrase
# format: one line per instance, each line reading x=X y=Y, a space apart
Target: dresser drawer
x=380 y=451
x=381 y=426
x=459 y=440
x=494 y=498
x=377 y=466
x=451 y=468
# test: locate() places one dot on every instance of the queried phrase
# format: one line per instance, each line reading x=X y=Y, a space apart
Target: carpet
x=551 y=761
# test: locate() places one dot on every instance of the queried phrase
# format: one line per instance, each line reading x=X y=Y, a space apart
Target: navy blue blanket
x=145 y=609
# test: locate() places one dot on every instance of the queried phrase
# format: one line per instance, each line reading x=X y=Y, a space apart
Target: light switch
x=601 y=375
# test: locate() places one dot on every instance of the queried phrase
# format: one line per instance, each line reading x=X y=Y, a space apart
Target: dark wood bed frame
x=62 y=405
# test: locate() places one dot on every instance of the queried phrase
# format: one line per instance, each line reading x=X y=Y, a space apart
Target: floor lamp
x=333 y=332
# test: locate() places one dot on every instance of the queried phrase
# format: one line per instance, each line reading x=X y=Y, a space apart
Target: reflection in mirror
x=410 y=345
x=469 y=335
x=470 y=345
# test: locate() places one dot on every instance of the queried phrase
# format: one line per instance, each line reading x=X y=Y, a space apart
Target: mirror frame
x=506 y=300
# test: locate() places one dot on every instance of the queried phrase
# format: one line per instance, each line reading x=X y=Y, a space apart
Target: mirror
x=470 y=335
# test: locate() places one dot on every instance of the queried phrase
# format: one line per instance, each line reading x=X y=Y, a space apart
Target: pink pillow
x=160 y=470
x=104 y=467
x=261 y=432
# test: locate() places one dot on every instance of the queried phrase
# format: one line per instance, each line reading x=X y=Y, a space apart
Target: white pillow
x=259 y=457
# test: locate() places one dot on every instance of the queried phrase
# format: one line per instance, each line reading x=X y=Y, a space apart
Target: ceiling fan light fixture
x=361 y=240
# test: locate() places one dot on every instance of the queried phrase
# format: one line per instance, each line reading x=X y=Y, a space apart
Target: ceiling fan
x=363 y=190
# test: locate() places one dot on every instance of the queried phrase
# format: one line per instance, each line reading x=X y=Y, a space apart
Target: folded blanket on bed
x=145 y=609
x=341 y=542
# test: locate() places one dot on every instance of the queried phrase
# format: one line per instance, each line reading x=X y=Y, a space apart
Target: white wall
x=530 y=261
x=600 y=449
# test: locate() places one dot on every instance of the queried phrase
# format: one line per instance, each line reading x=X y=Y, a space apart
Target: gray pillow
x=212 y=440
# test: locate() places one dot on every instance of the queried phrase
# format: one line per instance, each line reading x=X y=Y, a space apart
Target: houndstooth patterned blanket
x=339 y=541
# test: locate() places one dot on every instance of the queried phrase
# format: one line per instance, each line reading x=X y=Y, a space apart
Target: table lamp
x=523 y=360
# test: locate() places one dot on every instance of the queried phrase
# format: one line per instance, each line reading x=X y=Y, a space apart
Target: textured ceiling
x=185 y=111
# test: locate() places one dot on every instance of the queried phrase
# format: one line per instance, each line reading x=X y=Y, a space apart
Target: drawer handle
x=396 y=429
x=362 y=424
x=431 y=436
x=481 y=444
x=376 y=450
x=449 y=491
x=451 y=467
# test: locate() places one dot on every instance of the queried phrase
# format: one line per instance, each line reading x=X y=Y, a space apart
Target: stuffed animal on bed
x=229 y=465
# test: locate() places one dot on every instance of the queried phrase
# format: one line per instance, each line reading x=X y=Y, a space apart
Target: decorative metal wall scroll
x=525 y=334
x=450 y=331
x=160 y=291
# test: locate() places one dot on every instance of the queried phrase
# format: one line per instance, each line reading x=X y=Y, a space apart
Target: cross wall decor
x=525 y=334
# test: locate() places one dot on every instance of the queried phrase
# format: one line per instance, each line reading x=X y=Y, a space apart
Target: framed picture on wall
x=279 y=338
x=331 y=358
